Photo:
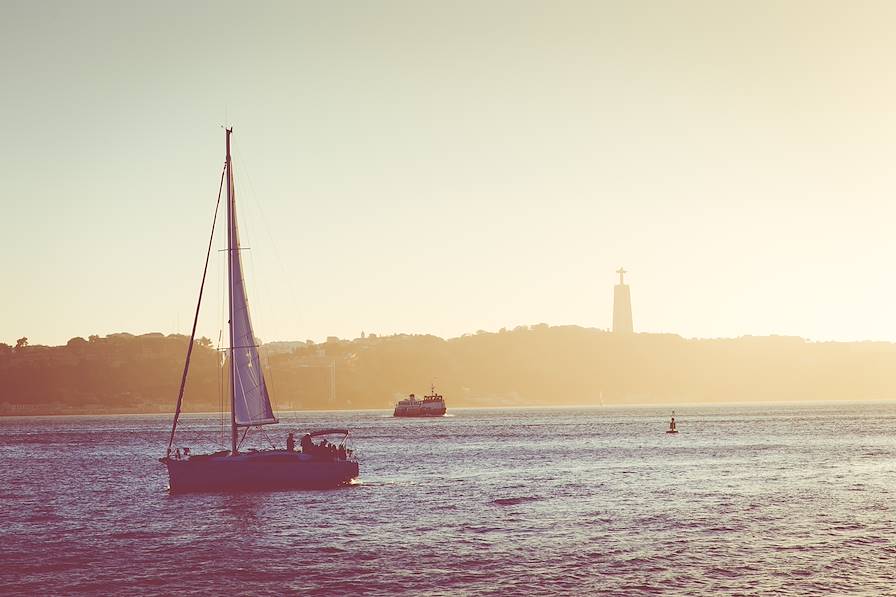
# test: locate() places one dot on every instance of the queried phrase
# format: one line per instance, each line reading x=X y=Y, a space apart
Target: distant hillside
x=118 y=373
x=537 y=365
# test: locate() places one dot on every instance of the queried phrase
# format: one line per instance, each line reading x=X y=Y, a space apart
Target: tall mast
x=231 y=251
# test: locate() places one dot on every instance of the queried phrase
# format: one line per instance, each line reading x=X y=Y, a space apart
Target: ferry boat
x=432 y=405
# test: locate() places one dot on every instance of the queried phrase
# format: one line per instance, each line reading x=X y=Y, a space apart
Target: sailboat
x=314 y=466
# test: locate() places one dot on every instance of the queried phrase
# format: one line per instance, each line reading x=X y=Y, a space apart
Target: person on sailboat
x=290 y=442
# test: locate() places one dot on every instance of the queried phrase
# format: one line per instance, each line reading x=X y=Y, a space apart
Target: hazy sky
x=441 y=167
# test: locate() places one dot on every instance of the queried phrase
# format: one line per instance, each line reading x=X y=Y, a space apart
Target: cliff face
x=536 y=365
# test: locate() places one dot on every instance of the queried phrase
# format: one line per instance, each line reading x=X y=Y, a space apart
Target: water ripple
x=748 y=500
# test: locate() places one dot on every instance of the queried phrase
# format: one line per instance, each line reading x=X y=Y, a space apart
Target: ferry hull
x=435 y=413
x=263 y=470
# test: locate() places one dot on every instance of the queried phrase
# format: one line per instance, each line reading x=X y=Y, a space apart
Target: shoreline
x=613 y=406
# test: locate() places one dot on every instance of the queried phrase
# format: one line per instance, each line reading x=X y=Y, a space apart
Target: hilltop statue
x=622 y=306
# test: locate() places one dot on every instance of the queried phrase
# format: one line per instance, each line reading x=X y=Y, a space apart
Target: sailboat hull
x=272 y=469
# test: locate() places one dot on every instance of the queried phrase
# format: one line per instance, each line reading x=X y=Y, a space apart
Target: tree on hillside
x=76 y=342
x=21 y=343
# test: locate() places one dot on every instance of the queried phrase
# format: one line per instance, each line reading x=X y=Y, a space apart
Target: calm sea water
x=790 y=499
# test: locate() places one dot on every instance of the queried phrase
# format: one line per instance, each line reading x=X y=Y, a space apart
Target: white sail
x=251 y=403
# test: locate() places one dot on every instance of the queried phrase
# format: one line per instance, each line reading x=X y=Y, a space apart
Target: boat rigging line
x=183 y=379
